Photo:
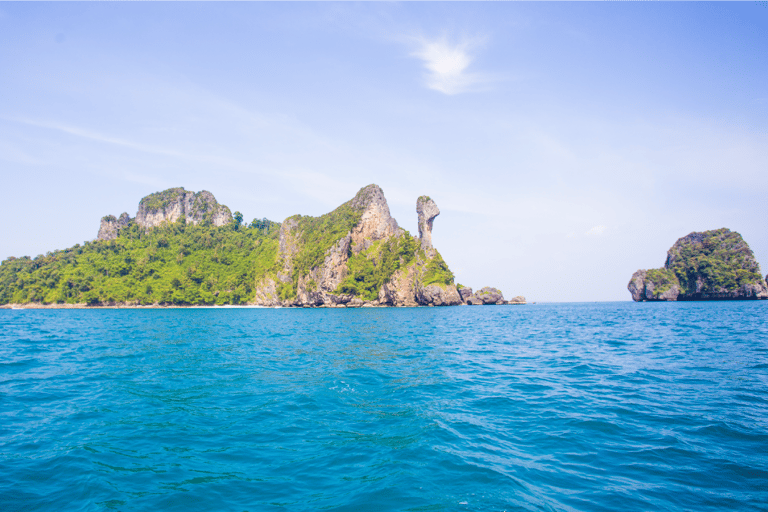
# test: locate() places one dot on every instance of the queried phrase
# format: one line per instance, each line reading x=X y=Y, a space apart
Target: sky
x=567 y=145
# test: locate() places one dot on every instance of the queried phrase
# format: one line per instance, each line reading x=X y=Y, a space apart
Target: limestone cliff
x=111 y=226
x=174 y=203
x=710 y=265
x=427 y=210
x=357 y=255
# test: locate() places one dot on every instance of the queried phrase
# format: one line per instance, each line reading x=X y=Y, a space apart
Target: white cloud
x=447 y=65
x=596 y=230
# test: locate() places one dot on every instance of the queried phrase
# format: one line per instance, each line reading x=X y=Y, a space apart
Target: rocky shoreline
x=364 y=304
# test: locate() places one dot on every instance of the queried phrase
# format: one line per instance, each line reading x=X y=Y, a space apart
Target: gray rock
x=517 y=300
x=487 y=295
x=435 y=295
x=355 y=303
x=427 y=210
x=465 y=294
x=110 y=226
x=172 y=204
x=636 y=285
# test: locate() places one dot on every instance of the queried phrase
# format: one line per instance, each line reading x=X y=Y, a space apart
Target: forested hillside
x=176 y=263
x=184 y=248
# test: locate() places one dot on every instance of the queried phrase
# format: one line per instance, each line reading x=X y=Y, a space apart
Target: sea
x=572 y=407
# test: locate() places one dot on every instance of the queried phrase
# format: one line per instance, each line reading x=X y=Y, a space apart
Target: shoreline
x=226 y=306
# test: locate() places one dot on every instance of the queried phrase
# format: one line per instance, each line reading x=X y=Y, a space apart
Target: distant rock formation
x=435 y=295
x=353 y=256
x=347 y=272
x=427 y=210
x=465 y=292
x=710 y=265
x=111 y=226
x=487 y=295
x=170 y=205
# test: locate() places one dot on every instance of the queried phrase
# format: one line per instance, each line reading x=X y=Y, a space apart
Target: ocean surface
x=594 y=407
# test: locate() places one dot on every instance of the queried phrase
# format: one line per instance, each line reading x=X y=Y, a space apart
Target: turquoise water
x=613 y=406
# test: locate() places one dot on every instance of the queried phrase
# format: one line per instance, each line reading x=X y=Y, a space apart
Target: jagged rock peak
x=376 y=222
x=169 y=205
x=427 y=210
x=110 y=226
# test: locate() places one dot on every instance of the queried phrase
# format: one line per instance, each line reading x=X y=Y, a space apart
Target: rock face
x=376 y=222
x=710 y=265
x=372 y=262
x=170 y=205
x=465 y=293
x=487 y=295
x=427 y=210
x=111 y=226
x=436 y=295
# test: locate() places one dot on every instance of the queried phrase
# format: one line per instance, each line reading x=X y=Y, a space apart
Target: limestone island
x=712 y=265
x=184 y=248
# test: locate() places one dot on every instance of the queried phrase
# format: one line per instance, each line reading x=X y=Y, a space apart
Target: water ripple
x=549 y=407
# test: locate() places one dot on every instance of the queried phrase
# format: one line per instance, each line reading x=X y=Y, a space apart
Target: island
x=710 y=265
x=183 y=248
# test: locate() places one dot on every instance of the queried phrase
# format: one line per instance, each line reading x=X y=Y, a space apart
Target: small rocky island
x=184 y=248
x=711 y=265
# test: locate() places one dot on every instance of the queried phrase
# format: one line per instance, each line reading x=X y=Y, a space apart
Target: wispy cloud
x=447 y=63
x=596 y=230
x=98 y=137
x=103 y=138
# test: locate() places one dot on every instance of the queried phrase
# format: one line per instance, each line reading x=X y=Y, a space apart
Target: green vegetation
x=437 y=272
x=176 y=263
x=237 y=220
x=373 y=267
x=264 y=225
x=315 y=236
x=663 y=279
x=198 y=263
x=159 y=200
x=709 y=262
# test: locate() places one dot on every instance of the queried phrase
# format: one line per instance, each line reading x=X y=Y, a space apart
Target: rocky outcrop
x=111 y=226
x=172 y=204
x=438 y=295
x=642 y=288
x=309 y=278
x=427 y=210
x=465 y=292
x=376 y=223
x=485 y=296
x=266 y=293
x=709 y=265
x=517 y=300
x=400 y=289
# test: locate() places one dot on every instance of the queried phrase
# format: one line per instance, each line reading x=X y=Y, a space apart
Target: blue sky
x=566 y=144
